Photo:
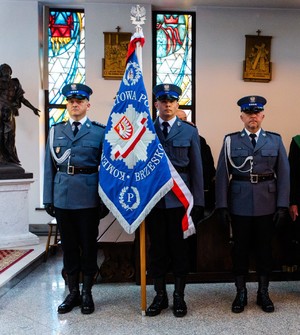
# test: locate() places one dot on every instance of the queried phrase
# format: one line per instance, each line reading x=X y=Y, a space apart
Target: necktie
x=165 y=129
x=76 y=128
x=253 y=141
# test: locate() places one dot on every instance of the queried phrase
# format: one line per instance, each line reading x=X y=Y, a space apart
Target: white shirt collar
x=171 y=122
x=82 y=121
x=257 y=133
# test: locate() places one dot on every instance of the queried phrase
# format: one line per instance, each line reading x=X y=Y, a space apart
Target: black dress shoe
x=159 y=303
x=240 y=301
x=72 y=300
x=87 y=305
x=265 y=302
x=179 y=306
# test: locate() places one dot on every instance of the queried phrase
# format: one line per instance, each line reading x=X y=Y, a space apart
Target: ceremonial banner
x=135 y=171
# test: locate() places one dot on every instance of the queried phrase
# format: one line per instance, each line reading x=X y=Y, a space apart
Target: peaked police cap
x=77 y=91
x=167 y=92
x=252 y=104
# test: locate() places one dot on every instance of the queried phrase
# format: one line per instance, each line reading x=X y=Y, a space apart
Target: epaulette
x=235 y=133
x=96 y=123
x=189 y=123
x=186 y=122
x=271 y=132
x=61 y=122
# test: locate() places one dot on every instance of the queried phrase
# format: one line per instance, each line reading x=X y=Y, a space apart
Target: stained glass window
x=66 y=58
x=174 y=54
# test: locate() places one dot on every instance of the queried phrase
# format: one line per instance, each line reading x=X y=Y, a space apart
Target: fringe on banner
x=130 y=229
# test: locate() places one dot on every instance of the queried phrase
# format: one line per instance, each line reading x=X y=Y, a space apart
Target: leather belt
x=254 y=178
x=181 y=169
x=70 y=169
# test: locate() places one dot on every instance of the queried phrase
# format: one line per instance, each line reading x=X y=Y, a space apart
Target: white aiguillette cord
x=66 y=154
x=227 y=153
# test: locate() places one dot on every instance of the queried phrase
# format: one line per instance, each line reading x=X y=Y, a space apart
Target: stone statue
x=11 y=99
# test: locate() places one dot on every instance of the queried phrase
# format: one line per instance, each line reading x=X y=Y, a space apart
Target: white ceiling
x=282 y=4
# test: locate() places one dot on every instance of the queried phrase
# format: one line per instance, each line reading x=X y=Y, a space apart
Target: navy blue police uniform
x=252 y=190
x=164 y=223
x=71 y=189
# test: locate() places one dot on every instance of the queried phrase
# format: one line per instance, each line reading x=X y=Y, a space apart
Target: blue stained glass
x=66 y=56
x=174 y=52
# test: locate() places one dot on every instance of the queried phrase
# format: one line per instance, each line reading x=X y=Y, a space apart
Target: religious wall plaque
x=115 y=52
x=257 y=63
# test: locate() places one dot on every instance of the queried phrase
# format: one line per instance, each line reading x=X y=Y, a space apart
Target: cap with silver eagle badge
x=167 y=92
x=252 y=104
x=77 y=91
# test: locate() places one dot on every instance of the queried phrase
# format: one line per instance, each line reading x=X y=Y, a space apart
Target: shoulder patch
x=96 y=123
x=271 y=132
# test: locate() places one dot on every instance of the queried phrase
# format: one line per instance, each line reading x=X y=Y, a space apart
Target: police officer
x=167 y=245
x=72 y=159
x=252 y=192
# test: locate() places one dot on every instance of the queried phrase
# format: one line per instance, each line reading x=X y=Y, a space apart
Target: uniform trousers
x=79 y=231
x=168 y=249
x=252 y=233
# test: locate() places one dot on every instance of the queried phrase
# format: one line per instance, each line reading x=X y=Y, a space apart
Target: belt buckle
x=253 y=178
x=70 y=169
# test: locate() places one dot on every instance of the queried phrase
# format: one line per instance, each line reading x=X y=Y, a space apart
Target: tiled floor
x=29 y=308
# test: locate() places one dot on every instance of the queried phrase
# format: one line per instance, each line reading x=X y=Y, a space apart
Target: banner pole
x=143 y=266
x=138 y=17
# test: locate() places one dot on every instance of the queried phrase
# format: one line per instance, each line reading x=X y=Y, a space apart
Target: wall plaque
x=115 y=52
x=257 y=63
